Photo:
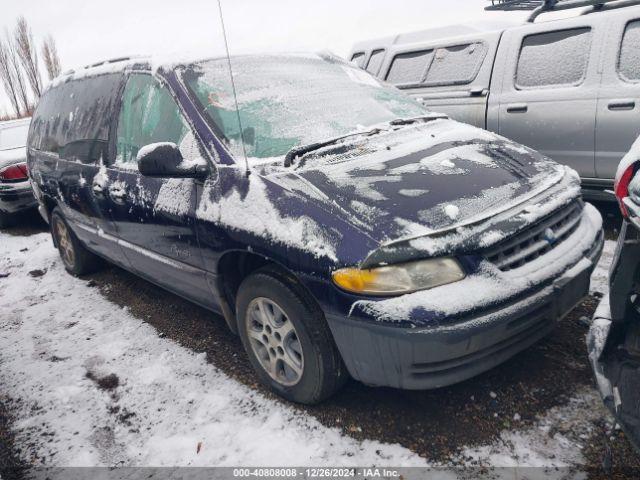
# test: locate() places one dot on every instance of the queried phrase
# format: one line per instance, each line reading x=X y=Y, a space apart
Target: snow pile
x=413 y=192
x=451 y=211
x=554 y=441
x=109 y=391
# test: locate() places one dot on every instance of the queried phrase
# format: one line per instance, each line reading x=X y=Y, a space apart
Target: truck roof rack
x=543 y=6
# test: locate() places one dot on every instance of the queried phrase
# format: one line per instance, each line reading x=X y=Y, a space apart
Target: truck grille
x=536 y=240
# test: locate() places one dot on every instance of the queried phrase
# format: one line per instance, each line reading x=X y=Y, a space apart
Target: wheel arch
x=235 y=266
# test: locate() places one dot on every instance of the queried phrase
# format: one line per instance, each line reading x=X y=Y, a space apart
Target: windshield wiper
x=297 y=152
x=421 y=118
x=302 y=150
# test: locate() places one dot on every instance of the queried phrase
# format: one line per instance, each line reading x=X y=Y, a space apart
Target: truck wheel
x=287 y=339
x=76 y=258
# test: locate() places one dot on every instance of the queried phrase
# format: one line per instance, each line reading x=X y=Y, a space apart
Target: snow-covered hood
x=14 y=155
x=421 y=180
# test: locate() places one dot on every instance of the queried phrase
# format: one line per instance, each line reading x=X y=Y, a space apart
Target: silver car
x=16 y=195
x=569 y=88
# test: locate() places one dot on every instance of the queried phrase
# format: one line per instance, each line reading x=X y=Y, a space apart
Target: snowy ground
x=97 y=386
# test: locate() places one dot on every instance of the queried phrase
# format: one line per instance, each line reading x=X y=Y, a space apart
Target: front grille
x=536 y=240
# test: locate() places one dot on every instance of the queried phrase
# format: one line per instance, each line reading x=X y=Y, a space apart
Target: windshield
x=293 y=100
x=13 y=137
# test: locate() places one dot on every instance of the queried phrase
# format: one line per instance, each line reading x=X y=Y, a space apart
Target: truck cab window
x=409 y=68
x=554 y=58
x=375 y=62
x=358 y=59
x=456 y=65
x=629 y=61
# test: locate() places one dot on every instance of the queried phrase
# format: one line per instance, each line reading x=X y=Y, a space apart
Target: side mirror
x=165 y=160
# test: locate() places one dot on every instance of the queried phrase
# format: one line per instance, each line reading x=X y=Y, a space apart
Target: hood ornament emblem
x=550 y=236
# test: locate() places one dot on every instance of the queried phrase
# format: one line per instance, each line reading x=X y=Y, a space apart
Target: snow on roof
x=147 y=62
x=99 y=68
x=437 y=33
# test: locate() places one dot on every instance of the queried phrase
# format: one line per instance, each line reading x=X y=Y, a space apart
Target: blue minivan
x=339 y=227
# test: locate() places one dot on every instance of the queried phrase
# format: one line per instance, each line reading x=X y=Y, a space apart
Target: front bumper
x=474 y=339
x=596 y=341
x=613 y=354
x=16 y=197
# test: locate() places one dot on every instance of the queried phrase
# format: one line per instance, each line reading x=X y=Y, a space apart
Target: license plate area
x=571 y=288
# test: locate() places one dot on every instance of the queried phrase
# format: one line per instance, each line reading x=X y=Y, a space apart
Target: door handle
x=478 y=92
x=517 y=108
x=622 y=104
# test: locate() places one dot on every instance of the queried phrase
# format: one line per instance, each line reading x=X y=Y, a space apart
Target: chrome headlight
x=400 y=279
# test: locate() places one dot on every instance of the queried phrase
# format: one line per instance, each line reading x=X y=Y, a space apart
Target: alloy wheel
x=65 y=244
x=274 y=341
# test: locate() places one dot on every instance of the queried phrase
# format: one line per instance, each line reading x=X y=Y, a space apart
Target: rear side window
x=375 y=62
x=456 y=65
x=554 y=58
x=629 y=61
x=72 y=119
x=358 y=59
x=452 y=65
x=149 y=114
x=409 y=68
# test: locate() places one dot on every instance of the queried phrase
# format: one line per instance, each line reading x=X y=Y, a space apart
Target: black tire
x=323 y=371
x=77 y=260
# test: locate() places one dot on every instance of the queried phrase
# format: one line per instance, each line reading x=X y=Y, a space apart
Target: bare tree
x=50 y=57
x=7 y=77
x=28 y=54
x=18 y=76
x=12 y=78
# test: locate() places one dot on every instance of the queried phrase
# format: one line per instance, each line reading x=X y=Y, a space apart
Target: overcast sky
x=89 y=31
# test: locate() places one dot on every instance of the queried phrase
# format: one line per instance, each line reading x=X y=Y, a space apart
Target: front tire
x=287 y=339
x=77 y=260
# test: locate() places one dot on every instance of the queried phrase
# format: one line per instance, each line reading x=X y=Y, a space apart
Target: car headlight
x=401 y=278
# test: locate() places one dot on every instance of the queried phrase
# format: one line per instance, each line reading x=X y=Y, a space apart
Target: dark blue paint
x=199 y=244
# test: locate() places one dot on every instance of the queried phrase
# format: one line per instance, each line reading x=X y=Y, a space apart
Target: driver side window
x=149 y=114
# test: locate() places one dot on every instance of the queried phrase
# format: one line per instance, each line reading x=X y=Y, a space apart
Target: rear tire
x=290 y=346
x=77 y=260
